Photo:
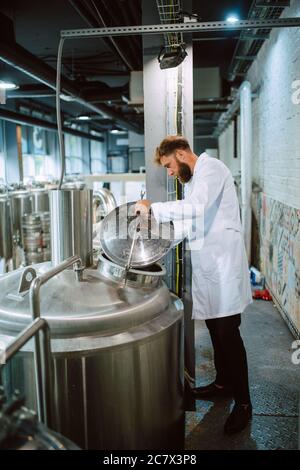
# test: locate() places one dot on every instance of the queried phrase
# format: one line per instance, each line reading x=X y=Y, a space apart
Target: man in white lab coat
x=220 y=276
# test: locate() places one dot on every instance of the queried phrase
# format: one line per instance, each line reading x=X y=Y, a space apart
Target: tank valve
x=79 y=268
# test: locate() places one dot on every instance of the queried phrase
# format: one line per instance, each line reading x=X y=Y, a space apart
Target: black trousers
x=230 y=356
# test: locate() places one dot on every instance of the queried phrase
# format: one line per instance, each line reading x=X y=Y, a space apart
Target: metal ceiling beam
x=19 y=118
x=130 y=45
x=100 y=96
x=210 y=110
x=247 y=46
x=245 y=37
x=27 y=63
x=180 y=27
x=90 y=19
x=31 y=91
x=210 y=101
x=272 y=3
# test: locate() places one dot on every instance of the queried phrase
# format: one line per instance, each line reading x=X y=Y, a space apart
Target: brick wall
x=276 y=161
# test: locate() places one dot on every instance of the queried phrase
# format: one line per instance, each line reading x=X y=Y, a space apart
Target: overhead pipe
x=107 y=6
x=91 y=21
x=19 y=118
x=21 y=59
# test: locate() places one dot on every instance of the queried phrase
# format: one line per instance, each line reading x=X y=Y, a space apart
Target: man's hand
x=143 y=207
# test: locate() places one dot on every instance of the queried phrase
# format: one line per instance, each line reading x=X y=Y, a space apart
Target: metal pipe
x=246 y=162
x=58 y=114
x=19 y=118
x=22 y=60
x=43 y=364
x=71 y=225
x=23 y=337
x=34 y=293
x=44 y=384
x=90 y=20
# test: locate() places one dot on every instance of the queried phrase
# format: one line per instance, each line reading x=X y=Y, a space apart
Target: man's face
x=175 y=167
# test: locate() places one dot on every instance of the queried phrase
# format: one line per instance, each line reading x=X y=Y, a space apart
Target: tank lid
x=73 y=308
x=118 y=229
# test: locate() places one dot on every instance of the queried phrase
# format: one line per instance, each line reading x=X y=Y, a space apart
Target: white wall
x=276 y=163
x=226 y=151
x=276 y=119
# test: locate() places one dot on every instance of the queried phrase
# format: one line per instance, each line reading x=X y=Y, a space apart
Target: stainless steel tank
x=103 y=203
x=40 y=200
x=21 y=204
x=46 y=235
x=21 y=430
x=6 y=247
x=71 y=224
x=118 y=360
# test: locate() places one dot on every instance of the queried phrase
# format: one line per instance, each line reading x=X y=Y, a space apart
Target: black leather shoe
x=238 y=418
x=211 y=391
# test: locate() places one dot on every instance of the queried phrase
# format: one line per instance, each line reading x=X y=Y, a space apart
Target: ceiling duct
x=22 y=60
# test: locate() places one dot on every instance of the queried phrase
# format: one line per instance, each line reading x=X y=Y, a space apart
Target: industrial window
x=98 y=155
x=74 y=154
x=38 y=164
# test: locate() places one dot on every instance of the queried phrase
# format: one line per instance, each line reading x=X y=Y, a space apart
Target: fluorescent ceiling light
x=83 y=118
x=117 y=131
x=7 y=85
x=67 y=98
x=232 y=19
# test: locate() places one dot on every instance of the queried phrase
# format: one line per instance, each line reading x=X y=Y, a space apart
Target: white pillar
x=246 y=162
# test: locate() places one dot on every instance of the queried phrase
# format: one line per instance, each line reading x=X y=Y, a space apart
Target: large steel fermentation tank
x=21 y=204
x=39 y=200
x=6 y=247
x=117 y=356
x=71 y=224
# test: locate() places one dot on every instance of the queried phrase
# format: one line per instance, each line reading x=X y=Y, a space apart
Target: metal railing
x=42 y=349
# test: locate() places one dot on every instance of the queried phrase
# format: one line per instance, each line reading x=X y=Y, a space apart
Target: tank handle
x=43 y=363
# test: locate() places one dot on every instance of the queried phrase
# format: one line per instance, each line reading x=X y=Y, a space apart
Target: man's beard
x=184 y=172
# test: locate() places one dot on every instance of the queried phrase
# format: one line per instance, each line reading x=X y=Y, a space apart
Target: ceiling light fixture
x=171 y=58
x=232 y=19
x=117 y=131
x=83 y=117
x=8 y=85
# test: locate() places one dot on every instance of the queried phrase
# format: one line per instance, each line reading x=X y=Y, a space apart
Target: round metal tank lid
x=118 y=229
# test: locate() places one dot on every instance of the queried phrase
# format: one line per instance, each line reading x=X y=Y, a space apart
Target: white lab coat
x=220 y=274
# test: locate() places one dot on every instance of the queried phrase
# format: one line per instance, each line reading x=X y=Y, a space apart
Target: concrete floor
x=274 y=383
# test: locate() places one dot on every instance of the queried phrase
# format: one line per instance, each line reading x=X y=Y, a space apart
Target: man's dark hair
x=169 y=145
